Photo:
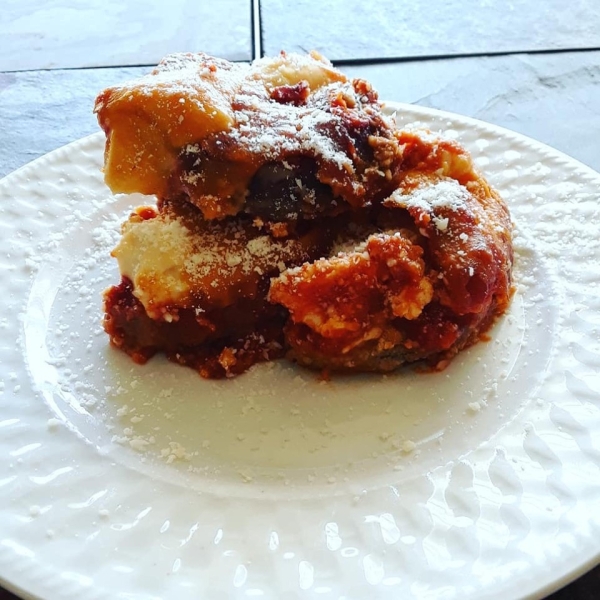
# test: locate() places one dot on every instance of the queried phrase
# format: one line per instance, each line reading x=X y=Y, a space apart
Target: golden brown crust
x=382 y=305
x=293 y=218
x=205 y=127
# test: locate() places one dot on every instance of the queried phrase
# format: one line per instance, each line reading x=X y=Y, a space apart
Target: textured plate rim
x=579 y=563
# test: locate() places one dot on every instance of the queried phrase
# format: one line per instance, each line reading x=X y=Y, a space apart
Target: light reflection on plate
x=462 y=484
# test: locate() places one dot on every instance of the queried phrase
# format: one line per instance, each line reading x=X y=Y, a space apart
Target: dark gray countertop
x=347 y=29
x=552 y=94
x=99 y=33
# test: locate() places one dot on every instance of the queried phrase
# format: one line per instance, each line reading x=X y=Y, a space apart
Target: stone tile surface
x=352 y=29
x=64 y=33
x=554 y=98
x=43 y=110
x=584 y=588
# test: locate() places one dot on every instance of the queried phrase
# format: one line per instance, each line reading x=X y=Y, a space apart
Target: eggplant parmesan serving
x=294 y=219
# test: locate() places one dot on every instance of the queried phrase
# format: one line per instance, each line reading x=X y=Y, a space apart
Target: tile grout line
x=424 y=57
x=257 y=47
x=256 y=30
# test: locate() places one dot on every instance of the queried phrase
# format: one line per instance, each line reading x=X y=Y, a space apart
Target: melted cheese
x=177 y=262
x=187 y=98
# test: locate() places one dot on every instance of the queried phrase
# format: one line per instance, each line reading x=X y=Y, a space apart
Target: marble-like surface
x=66 y=34
x=43 y=110
x=351 y=29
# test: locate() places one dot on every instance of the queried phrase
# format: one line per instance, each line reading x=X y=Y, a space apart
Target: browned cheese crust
x=294 y=219
x=224 y=134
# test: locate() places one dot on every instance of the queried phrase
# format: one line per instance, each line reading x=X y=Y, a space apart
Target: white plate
x=120 y=481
